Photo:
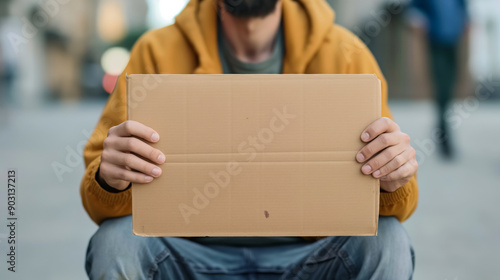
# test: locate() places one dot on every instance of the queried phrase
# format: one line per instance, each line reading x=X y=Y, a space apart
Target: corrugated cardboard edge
x=128 y=77
x=377 y=189
x=129 y=82
x=258 y=234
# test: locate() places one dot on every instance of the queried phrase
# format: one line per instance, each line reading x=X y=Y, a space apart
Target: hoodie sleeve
x=99 y=203
x=403 y=202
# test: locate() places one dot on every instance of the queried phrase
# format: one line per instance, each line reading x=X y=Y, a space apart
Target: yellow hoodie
x=313 y=44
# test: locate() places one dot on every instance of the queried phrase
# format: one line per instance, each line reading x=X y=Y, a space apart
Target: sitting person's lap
x=115 y=253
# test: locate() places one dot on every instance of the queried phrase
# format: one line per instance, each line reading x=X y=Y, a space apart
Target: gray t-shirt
x=231 y=64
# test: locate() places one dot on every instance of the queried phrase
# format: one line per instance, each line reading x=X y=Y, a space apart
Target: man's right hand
x=121 y=161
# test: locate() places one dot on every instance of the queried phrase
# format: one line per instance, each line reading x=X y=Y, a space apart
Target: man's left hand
x=387 y=155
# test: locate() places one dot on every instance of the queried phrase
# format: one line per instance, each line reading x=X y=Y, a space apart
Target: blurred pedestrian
x=446 y=23
x=8 y=69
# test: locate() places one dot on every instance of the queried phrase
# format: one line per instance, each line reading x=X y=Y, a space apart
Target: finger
x=138 y=147
x=382 y=159
x=404 y=171
x=378 y=127
x=381 y=142
x=395 y=163
x=132 y=161
x=122 y=174
x=133 y=128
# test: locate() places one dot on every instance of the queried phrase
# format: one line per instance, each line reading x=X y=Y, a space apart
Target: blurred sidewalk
x=455 y=230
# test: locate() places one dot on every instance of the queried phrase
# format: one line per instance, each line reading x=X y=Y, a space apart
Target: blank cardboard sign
x=256 y=155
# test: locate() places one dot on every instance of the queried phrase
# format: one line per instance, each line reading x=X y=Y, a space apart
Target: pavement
x=455 y=230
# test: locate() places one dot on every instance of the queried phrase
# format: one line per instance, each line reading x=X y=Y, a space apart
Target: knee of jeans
x=389 y=255
x=114 y=242
x=391 y=246
x=113 y=232
x=114 y=252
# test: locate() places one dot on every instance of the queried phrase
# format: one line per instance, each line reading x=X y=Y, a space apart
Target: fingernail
x=376 y=173
x=155 y=137
x=148 y=178
x=366 y=169
x=360 y=157
x=156 y=171
x=161 y=158
x=365 y=136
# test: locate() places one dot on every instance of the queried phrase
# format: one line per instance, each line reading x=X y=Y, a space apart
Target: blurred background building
x=71 y=50
x=59 y=60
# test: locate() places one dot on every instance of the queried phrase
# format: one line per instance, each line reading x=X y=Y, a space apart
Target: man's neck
x=251 y=39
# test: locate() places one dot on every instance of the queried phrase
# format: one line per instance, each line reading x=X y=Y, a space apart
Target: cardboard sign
x=256 y=155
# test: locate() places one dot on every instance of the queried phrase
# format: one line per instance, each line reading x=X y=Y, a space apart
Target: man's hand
x=124 y=153
x=388 y=154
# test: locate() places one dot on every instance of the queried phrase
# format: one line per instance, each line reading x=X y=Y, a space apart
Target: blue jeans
x=115 y=253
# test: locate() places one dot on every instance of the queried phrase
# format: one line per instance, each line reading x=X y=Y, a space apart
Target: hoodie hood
x=305 y=23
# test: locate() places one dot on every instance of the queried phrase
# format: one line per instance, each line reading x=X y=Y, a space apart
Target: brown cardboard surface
x=256 y=155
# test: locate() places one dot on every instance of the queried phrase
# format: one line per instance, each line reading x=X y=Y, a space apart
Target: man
x=446 y=24
x=243 y=36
